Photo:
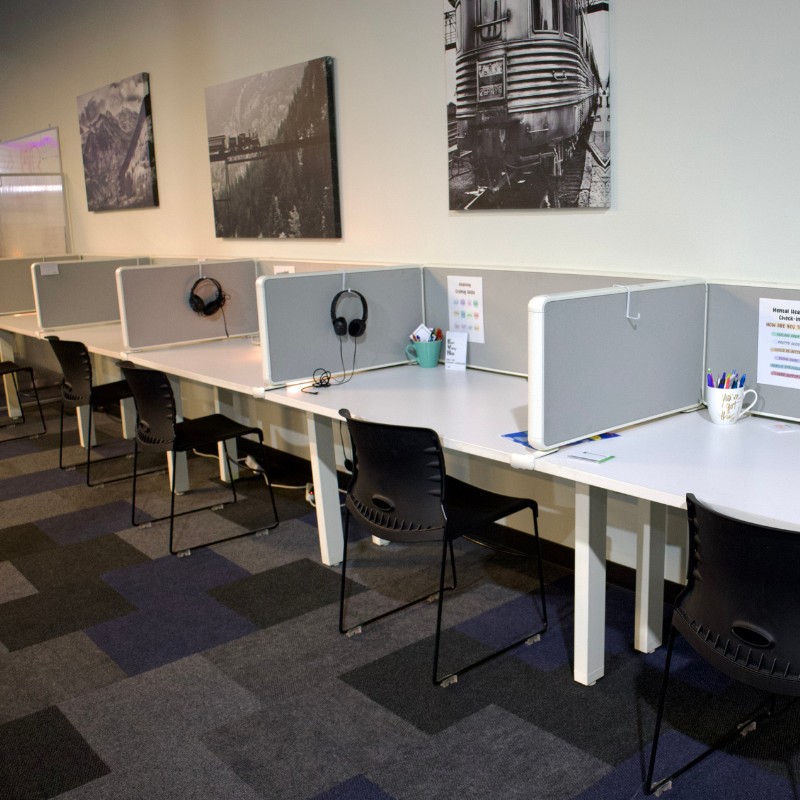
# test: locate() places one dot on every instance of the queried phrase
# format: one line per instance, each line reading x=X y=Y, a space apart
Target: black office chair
x=740 y=611
x=78 y=389
x=12 y=369
x=400 y=492
x=158 y=430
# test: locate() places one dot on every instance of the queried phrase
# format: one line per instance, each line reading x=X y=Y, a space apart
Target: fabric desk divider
x=505 y=308
x=732 y=342
x=155 y=310
x=600 y=360
x=297 y=335
x=72 y=293
x=15 y=275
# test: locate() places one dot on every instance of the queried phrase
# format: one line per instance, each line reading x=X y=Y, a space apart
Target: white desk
x=10 y=325
x=103 y=340
x=231 y=366
x=470 y=410
x=745 y=469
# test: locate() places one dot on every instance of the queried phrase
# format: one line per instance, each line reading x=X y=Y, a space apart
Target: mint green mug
x=426 y=354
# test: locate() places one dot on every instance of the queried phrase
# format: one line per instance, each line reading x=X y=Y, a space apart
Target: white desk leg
x=7 y=354
x=227 y=403
x=179 y=463
x=326 y=488
x=652 y=534
x=127 y=411
x=85 y=435
x=590 y=583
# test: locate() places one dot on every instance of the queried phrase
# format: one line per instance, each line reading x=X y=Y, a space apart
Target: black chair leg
x=13 y=375
x=529 y=638
x=269 y=484
x=649 y=787
x=88 y=462
x=352 y=630
x=741 y=729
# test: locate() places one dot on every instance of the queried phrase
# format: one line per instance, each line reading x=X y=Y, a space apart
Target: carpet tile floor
x=132 y=674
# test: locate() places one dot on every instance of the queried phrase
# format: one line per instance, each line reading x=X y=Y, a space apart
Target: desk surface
x=746 y=469
x=233 y=364
x=104 y=339
x=470 y=409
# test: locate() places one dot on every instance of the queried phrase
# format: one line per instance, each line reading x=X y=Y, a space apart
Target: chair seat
x=108 y=393
x=204 y=431
x=9 y=367
x=470 y=508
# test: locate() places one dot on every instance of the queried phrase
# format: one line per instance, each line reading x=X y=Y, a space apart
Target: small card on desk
x=456 y=350
x=585 y=455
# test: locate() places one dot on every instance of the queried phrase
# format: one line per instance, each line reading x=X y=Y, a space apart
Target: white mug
x=725 y=405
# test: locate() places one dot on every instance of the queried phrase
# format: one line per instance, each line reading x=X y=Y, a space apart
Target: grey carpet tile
x=291 y=540
x=280 y=594
x=490 y=749
x=296 y=747
x=142 y=718
x=185 y=771
x=45 y=674
x=23 y=540
x=20 y=510
x=303 y=654
x=58 y=610
x=76 y=562
x=13 y=584
x=43 y=756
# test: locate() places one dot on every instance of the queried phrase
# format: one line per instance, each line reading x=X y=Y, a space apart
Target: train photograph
x=528 y=107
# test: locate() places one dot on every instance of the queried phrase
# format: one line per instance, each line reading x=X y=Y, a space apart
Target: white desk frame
x=743 y=469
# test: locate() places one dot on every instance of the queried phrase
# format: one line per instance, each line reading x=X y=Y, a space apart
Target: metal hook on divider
x=628 y=314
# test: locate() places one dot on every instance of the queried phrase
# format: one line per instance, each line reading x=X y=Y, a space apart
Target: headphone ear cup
x=356 y=327
x=196 y=303
x=340 y=326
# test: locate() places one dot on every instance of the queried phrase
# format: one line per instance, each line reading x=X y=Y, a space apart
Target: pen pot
x=426 y=354
x=725 y=405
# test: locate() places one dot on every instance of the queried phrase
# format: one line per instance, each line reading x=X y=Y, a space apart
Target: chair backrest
x=397 y=487
x=741 y=606
x=75 y=363
x=155 y=406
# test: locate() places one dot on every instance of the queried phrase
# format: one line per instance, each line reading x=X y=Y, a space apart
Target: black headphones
x=207 y=307
x=355 y=327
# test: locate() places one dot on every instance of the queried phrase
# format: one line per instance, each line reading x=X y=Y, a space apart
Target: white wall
x=705 y=179
x=704 y=171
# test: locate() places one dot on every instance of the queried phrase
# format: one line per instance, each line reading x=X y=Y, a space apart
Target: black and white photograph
x=528 y=112
x=272 y=147
x=119 y=160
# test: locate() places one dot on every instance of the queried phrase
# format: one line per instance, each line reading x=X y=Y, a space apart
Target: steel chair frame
x=12 y=369
x=443 y=533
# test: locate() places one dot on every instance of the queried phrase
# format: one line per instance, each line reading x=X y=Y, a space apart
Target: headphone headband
x=356 y=327
x=206 y=307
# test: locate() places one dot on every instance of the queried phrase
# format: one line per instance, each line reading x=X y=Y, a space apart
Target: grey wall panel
x=732 y=342
x=594 y=370
x=77 y=292
x=155 y=303
x=506 y=294
x=296 y=327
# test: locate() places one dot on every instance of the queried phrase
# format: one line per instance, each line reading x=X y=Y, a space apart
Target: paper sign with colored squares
x=465 y=301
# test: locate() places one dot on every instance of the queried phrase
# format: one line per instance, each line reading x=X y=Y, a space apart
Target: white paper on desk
x=455 y=356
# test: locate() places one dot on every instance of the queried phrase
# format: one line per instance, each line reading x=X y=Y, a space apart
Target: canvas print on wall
x=528 y=103
x=272 y=145
x=117 y=142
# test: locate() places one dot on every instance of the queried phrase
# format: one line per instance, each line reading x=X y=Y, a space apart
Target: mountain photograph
x=117 y=145
x=272 y=148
